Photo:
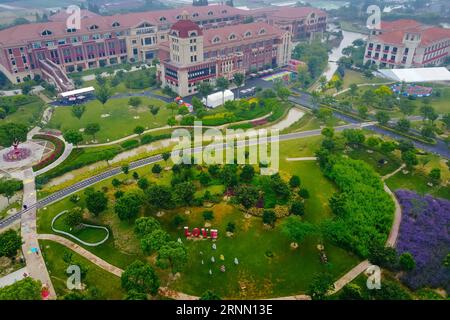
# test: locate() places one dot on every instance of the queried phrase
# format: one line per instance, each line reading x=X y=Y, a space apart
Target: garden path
x=109 y=267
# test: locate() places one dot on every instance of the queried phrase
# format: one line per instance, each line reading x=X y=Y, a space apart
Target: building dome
x=185 y=28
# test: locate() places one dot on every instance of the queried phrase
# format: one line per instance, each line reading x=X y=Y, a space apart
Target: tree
x=8 y=187
x=229 y=175
x=205 y=89
x=154 y=241
x=92 y=129
x=238 y=79
x=103 y=94
x=209 y=295
x=446 y=120
x=135 y=295
x=387 y=146
x=10 y=243
x=172 y=254
x=354 y=137
x=297 y=208
x=222 y=84
x=321 y=285
x=247 y=195
x=139 y=130
x=208 y=215
x=140 y=277
x=382 y=117
x=435 y=175
x=247 y=173
x=156 y=169
x=125 y=168
x=96 y=201
x=146 y=225
x=350 y=291
x=154 y=110
x=323 y=83
x=116 y=183
x=406 y=107
x=159 y=196
x=269 y=217
x=135 y=101
x=427 y=132
x=428 y=113
x=406 y=261
x=166 y=156
x=73 y=136
x=78 y=111
x=283 y=93
x=382 y=256
x=296 y=230
x=304 y=193
x=353 y=90
x=128 y=206
x=294 y=181
x=12 y=133
x=372 y=142
x=171 y=122
x=403 y=125
x=143 y=183
x=74 y=217
x=25 y=289
x=328 y=132
x=410 y=159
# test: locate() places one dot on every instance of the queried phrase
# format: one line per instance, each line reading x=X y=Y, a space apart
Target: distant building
x=406 y=44
x=51 y=49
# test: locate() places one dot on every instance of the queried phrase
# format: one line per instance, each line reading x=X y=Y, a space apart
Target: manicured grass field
x=121 y=121
x=267 y=267
x=106 y=284
x=358 y=78
x=27 y=114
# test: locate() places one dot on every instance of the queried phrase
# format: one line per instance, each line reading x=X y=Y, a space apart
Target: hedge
x=129 y=144
x=59 y=150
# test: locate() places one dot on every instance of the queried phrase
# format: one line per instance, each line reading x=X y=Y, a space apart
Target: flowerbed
x=59 y=149
x=424 y=232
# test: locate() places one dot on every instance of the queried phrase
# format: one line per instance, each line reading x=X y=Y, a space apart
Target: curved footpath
x=107 y=266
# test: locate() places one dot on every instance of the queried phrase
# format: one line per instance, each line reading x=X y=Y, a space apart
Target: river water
x=336 y=53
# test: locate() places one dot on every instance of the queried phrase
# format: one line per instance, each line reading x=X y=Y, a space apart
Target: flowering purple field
x=425 y=233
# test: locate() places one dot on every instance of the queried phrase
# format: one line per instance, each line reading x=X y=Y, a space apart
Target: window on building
x=71 y=30
x=93 y=27
x=210 y=13
x=46 y=32
x=85 y=38
x=115 y=24
x=232 y=37
x=193 y=34
x=162 y=19
x=216 y=39
x=248 y=34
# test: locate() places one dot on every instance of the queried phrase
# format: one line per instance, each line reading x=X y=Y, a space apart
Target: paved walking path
x=107 y=266
x=35 y=262
x=169 y=127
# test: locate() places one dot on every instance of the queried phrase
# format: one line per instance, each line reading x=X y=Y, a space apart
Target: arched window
x=262 y=31
x=232 y=37
x=193 y=34
x=195 y=15
x=93 y=27
x=46 y=32
x=224 y=11
x=178 y=17
x=248 y=34
x=210 y=13
x=162 y=19
x=216 y=39
x=174 y=33
x=115 y=24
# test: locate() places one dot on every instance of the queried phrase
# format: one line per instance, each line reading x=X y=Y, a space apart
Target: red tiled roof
x=296 y=12
x=399 y=24
x=239 y=32
x=393 y=32
x=185 y=27
x=29 y=32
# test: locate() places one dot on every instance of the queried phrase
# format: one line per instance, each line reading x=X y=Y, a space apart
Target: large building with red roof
x=407 y=44
x=194 y=55
x=52 y=49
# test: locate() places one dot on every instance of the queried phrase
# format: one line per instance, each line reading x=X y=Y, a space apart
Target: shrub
x=129 y=144
x=297 y=208
x=208 y=215
x=231 y=227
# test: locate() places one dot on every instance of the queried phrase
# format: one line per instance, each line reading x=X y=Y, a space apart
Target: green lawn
x=87 y=234
x=121 y=121
x=28 y=114
x=106 y=284
x=358 y=78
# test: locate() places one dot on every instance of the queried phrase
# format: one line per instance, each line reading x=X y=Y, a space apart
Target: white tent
x=416 y=74
x=216 y=99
